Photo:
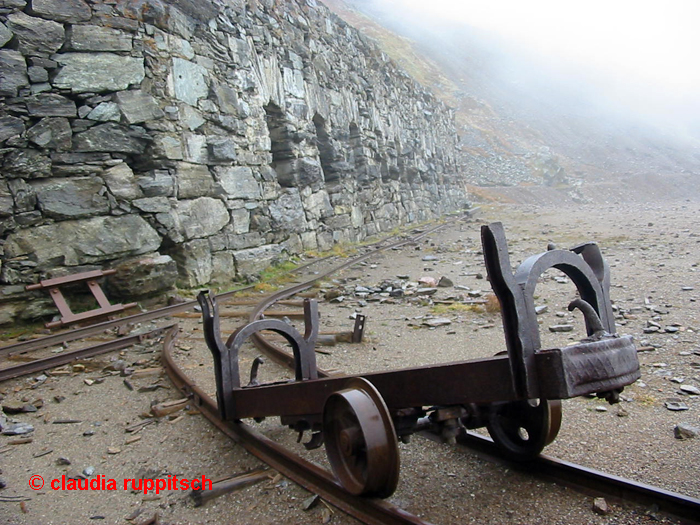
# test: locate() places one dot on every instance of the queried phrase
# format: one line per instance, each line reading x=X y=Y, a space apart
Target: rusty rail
x=309 y=475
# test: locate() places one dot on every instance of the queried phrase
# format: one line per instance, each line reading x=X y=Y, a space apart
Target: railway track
x=318 y=480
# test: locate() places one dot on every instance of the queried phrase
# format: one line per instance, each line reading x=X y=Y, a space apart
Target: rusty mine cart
x=515 y=395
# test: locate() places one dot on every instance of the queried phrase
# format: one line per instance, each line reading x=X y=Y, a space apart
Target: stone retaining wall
x=189 y=142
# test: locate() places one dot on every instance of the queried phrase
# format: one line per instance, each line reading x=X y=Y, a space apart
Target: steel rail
x=308 y=475
x=569 y=474
x=87 y=331
x=585 y=479
x=90 y=351
x=279 y=355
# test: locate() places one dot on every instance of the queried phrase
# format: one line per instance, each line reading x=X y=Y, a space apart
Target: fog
x=633 y=57
x=614 y=84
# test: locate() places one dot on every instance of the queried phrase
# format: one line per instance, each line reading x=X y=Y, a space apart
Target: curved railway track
x=311 y=476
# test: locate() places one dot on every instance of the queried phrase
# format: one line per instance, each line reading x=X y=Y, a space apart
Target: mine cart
x=515 y=395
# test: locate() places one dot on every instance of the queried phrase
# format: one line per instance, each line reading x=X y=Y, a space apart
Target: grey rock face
x=51 y=105
x=193 y=180
x=52 y=133
x=238 y=182
x=254 y=260
x=138 y=106
x=187 y=81
x=13 y=72
x=98 y=72
x=121 y=182
x=10 y=127
x=193 y=219
x=27 y=163
x=5 y=34
x=98 y=38
x=143 y=276
x=36 y=36
x=92 y=241
x=71 y=198
x=72 y=11
x=109 y=138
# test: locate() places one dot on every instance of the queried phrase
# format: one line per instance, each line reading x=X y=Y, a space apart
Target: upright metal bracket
x=584 y=265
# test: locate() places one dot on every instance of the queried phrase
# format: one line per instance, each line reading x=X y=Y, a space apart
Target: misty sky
x=641 y=55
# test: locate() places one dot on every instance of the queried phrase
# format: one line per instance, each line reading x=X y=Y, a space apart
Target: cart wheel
x=361 y=441
x=523 y=428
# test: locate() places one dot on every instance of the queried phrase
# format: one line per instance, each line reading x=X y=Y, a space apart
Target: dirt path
x=654 y=252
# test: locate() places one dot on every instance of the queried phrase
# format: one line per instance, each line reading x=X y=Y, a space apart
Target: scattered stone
x=89 y=432
x=18 y=409
x=437 y=321
x=88 y=471
x=600 y=506
x=426 y=291
x=690 y=389
x=62 y=461
x=561 y=328
x=311 y=502
x=475 y=293
x=3 y=483
x=445 y=282
x=17 y=429
x=428 y=258
x=684 y=431
x=430 y=282
x=539 y=310
x=675 y=405
x=671 y=329
x=113 y=450
x=601 y=408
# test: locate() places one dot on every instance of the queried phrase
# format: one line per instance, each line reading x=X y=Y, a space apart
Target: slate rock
x=37 y=74
x=109 y=137
x=26 y=163
x=690 y=389
x=92 y=241
x=23 y=196
x=10 y=126
x=121 y=182
x=36 y=36
x=71 y=198
x=561 y=328
x=5 y=34
x=17 y=429
x=13 y=72
x=98 y=72
x=6 y=200
x=158 y=183
x=71 y=11
x=193 y=180
x=104 y=112
x=143 y=276
x=197 y=218
x=684 y=431
x=249 y=263
x=51 y=105
x=437 y=321
x=287 y=212
x=188 y=81
x=138 y=106
x=98 y=38
x=52 y=133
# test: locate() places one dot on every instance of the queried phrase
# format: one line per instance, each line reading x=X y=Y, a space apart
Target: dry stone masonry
x=188 y=142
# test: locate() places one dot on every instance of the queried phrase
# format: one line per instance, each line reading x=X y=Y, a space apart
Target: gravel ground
x=654 y=252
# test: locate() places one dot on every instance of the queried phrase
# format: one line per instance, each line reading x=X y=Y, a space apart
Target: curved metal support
x=302 y=347
x=226 y=367
x=584 y=265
